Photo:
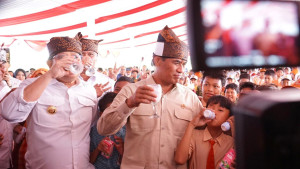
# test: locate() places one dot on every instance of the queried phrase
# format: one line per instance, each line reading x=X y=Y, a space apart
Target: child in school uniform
x=205 y=148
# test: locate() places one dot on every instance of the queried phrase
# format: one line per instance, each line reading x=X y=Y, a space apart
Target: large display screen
x=247 y=33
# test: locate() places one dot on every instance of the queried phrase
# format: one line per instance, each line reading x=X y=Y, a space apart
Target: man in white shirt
x=11 y=81
x=59 y=109
x=6 y=143
x=89 y=59
x=6 y=128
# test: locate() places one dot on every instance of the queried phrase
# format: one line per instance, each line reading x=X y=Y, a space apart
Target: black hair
x=215 y=74
x=152 y=61
x=223 y=101
x=244 y=76
x=247 y=85
x=279 y=68
x=270 y=72
x=232 y=86
x=124 y=78
x=243 y=71
x=18 y=70
x=134 y=70
x=289 y=87
x=105 y=100
x=267 y=87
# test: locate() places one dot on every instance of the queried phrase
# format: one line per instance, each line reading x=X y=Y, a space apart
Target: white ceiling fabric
x=129 y=26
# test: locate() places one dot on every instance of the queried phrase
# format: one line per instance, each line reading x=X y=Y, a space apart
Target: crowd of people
x=59 y=118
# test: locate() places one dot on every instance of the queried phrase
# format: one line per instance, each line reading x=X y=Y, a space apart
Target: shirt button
x=162 y=145
x=161 y=162
x=162 y=128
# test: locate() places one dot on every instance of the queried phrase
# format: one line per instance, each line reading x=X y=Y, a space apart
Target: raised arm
x=33 y=91
x=17 y=105
x=115 y=116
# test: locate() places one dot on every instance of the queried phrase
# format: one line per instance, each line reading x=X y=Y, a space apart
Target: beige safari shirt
x=150 y=142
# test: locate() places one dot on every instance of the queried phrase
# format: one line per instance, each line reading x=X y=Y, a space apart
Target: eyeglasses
x=60 y=56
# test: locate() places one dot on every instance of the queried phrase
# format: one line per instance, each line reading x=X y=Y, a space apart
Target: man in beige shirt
x=151 y=142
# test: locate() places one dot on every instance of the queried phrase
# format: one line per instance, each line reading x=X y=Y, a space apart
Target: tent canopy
x=128 y=27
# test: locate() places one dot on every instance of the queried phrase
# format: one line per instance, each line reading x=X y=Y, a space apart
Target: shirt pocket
x=86 y=106
x=51 y=119
x=140 y=120
x=181 y=120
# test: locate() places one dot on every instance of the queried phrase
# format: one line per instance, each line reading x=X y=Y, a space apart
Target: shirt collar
x=92 y=78
x=207 y=136
x=150 y=80
x=55 y=81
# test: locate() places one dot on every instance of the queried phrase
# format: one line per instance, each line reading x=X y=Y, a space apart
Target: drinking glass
x=76 y=67
x=158 y=91
x=88 y=65
x=90 y=71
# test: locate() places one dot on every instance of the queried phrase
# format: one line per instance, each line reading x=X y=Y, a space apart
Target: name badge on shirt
x=51 y=109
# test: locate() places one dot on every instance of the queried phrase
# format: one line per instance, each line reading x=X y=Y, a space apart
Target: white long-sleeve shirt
x=6 y=129
x=4 y=89
x=59 y=140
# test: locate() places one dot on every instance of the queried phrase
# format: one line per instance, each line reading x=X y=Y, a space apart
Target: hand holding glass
x=158 y=91
x=75 y=67
x=90 y=71
x=88 y=61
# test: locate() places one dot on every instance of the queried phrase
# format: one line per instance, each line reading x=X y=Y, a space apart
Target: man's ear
x=49 y=63
x=156 y=60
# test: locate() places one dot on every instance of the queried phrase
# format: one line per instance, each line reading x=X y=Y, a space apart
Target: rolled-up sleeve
x=115 y=116
x=14 y=108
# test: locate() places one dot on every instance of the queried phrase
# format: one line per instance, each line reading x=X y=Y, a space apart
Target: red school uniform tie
x=210 y=164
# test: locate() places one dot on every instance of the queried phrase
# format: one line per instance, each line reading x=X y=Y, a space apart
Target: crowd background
x=280 y=77
x=238 y=83
x=233 y=84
